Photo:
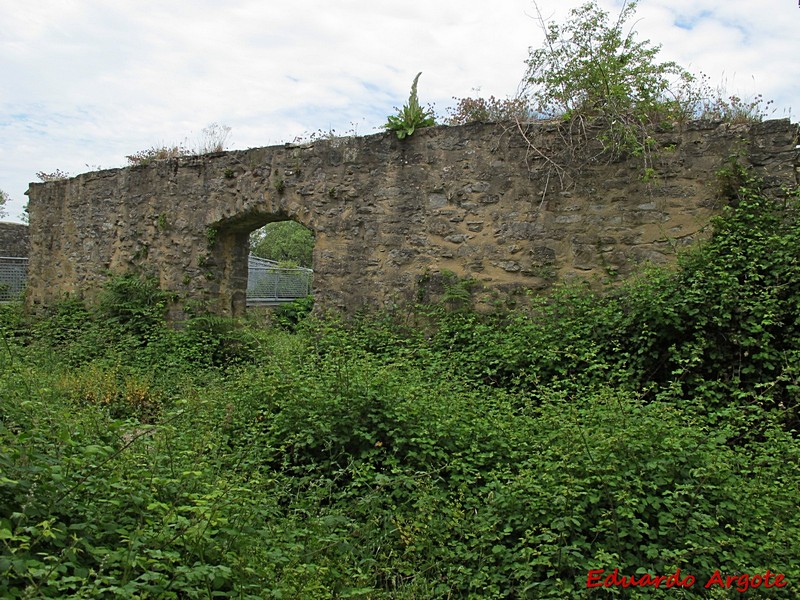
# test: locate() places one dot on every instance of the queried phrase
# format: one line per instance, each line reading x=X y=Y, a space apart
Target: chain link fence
x=266 y=285
x=13 y=273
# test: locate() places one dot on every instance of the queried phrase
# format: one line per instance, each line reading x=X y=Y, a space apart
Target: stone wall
x=480 y=201
x=14 y=240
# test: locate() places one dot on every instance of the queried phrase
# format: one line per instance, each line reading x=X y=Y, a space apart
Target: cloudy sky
x=87 y=82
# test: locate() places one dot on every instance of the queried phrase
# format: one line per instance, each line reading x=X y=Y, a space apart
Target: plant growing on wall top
x=56 y=175
x=214 y=138
x=411 y=117
x=489 y=110
x=160 y=152
x=594 y=72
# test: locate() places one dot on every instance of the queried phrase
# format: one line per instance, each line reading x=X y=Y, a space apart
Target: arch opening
x=262 y=261
x=280 y=264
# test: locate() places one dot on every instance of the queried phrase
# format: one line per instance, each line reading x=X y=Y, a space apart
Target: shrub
x=591 y=67
x=289 y=316
x=591 y=71
x=491 y=110
x=133 y=307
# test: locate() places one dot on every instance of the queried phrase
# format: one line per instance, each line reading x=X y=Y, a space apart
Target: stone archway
x=229 y=256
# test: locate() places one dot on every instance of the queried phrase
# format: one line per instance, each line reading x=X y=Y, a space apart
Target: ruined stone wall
x=480 y=201
x=14 y=240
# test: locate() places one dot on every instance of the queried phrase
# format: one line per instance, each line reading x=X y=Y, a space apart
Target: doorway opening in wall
x=279 y=265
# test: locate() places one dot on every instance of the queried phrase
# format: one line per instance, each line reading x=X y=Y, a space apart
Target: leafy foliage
x=593 y=67
x=290 y=315
x=133 y=306
x=285 y=242
x=411 y=117
x=591 y=70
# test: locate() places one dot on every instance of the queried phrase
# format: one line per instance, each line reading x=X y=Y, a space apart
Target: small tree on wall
x=593 y=71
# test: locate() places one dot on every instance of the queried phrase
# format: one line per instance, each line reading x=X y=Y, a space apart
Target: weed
x=211 y=237
x=411 y=117
x=56 y=175
x=154 y=153
x=489 y=110
x=161 y=222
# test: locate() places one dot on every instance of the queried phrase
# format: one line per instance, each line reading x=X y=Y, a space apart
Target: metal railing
x=271 y=284
x=13 y=274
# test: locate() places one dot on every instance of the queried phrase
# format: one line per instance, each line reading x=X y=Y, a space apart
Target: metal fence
x=271 y=284
x=13 y=273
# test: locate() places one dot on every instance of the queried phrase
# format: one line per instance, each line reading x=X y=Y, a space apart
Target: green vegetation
x=591 y=68
x=423 y=454
x=411 y=117
x=4 y=198
x=593 y=71
x=604 y=84
x=287 y=242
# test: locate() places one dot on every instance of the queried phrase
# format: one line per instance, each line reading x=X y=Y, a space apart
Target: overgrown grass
x=428 y=454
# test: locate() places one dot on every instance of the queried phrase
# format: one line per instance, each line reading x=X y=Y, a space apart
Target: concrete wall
x=481 y=201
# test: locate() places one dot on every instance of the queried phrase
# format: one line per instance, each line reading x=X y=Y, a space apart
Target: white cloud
x=89 y=81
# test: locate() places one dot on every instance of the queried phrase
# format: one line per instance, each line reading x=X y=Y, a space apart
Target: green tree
x=284 y=241
x=594 y=70
x=4 y=197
